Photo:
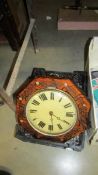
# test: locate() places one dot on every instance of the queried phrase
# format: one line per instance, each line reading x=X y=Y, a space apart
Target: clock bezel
x=66 y=94
x=66 y=85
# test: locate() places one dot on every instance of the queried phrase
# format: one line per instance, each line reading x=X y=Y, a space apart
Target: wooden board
x=73 y=20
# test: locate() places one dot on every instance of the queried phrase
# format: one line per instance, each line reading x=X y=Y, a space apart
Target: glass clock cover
x=51 y=112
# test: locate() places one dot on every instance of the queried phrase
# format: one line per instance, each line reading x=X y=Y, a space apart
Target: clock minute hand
x=65 y=122
x=58 y=118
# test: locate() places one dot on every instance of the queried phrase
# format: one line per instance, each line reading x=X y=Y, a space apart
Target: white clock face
x=51 y=112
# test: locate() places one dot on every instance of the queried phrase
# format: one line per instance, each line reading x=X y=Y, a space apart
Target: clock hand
x=58 y=118
x=51 y=114
x=65 y=121
x=51 y=119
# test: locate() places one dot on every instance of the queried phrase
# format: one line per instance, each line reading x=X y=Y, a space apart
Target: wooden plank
x=21 y=53
x=7 y=99
x=73 y=20
x=74 y=15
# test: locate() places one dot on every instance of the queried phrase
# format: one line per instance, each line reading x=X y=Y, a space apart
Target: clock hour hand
x=58 y=118
x=51 y=114
x=51 y=120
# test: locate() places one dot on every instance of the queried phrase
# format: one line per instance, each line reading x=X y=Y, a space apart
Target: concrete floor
x=62 y=51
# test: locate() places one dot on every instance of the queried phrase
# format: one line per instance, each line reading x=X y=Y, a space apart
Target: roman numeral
x=52 y=96
x=69 y=114
x=67 y=105
x=33 y=110
x=41 y=124
x=59 y=126
x=36 y=103
x=60 y=99
x=43 y=97
x=50 y=127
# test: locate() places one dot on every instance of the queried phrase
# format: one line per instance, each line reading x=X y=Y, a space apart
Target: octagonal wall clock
x=52 y=108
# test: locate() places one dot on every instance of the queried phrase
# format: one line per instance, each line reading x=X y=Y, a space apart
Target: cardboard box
x=93 y=90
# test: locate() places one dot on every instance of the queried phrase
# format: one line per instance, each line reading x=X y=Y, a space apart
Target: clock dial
x=51 y=112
